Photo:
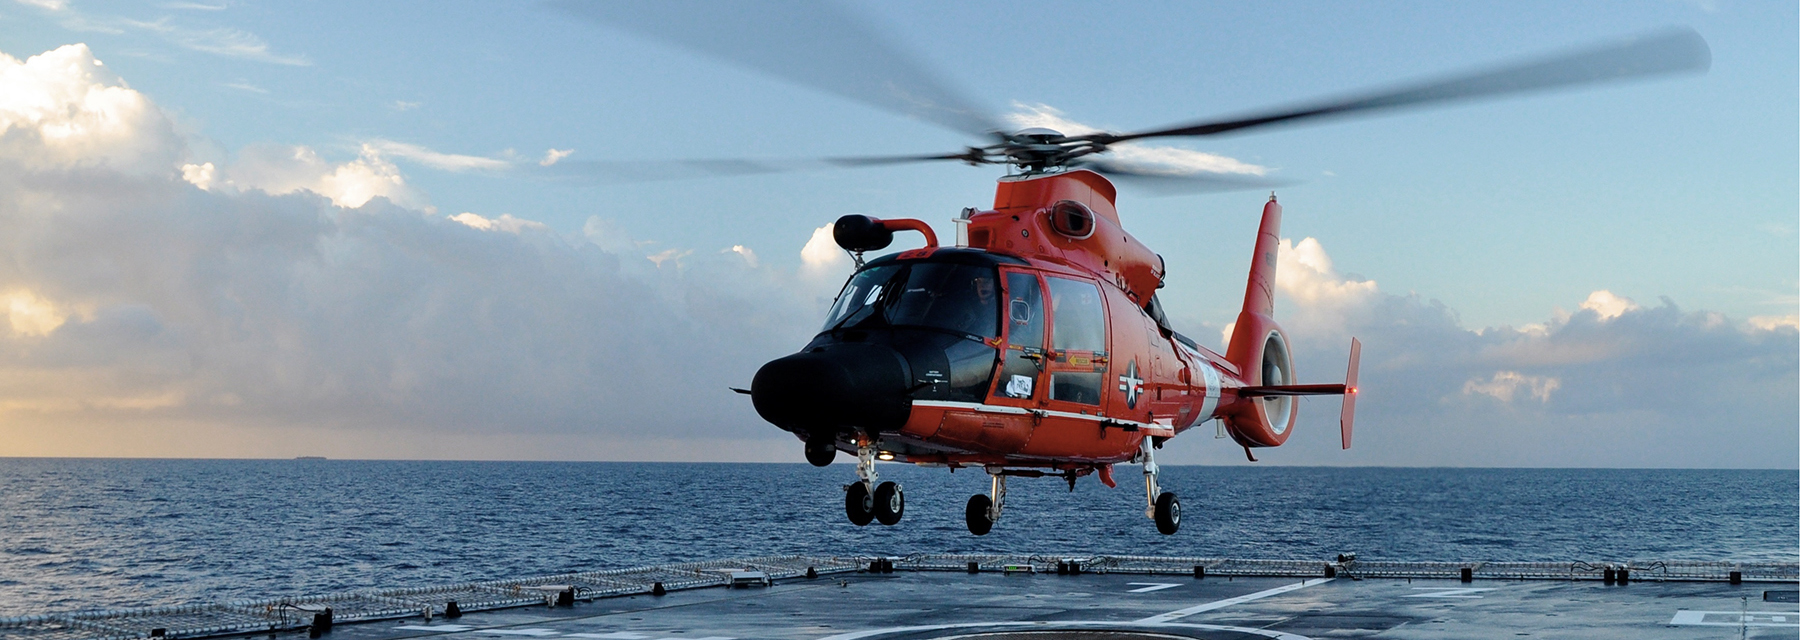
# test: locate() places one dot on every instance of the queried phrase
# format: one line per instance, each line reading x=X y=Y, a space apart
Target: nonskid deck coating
x=1015 y=597
x=916 y=605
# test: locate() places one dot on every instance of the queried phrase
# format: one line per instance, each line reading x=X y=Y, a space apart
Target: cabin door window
x=1077 y=357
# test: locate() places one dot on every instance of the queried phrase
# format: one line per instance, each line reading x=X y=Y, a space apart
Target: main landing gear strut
x=865 y=500
x=1163 y=507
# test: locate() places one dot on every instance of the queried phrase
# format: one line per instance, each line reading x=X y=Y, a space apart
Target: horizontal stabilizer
x=1292 y=390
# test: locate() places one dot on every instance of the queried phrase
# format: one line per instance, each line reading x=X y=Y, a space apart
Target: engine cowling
x=1265 y=421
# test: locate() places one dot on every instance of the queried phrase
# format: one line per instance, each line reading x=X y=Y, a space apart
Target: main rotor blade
x=634 y=171
x=972 y=156
x=816 y=44
x=1165 y=181
x=1664 y=52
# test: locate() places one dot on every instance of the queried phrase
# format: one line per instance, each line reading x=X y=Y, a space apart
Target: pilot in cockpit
x=981 y=314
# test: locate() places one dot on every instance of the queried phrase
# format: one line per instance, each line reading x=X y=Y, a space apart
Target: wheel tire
x=820 y=451
x=858 y=504
x=890 y=503
x=977 y=515
x=1168 y=513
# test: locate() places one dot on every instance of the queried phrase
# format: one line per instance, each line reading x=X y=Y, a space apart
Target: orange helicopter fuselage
x=1056 y=401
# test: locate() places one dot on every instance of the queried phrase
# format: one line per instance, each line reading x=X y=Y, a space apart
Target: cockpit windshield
x=954 y=297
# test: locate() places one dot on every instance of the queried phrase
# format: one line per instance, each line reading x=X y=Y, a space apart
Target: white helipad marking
x=446 y=628
x=1266 y=633
x=1183 y=613
x=1448 y=592
x=1737 y=618
x=1151 y=586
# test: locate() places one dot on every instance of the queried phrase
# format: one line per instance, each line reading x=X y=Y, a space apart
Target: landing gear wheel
x=977 y=515
x=1168 y=513
x=820 y=451
x=858 y=504
x=890 y=503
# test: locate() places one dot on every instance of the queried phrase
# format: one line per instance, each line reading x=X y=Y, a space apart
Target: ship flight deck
x=994 y=597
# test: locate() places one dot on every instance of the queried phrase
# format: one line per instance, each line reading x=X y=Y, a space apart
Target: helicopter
x=1035 y=345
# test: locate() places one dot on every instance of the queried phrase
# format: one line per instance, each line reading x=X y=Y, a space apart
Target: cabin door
x=1022 y=359
x=1077 y=359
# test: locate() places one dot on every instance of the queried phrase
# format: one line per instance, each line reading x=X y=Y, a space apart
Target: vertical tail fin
x=1259 y=293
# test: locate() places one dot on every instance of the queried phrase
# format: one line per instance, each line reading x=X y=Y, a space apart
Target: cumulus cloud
x=281 y=169
x=1771 y=323
x=1143 y=157
x=1608 y=305
x=281 y=303
x=1506 y=384
x=822 y=257
x=31 y=315
x=1614 y=383
x=64 y=109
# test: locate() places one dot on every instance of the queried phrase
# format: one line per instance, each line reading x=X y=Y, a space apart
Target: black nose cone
x=833 y=388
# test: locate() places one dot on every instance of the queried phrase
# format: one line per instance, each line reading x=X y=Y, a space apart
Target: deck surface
x=1046 y=606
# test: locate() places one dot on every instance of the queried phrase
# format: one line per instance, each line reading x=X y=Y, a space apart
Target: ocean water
x=84 y=533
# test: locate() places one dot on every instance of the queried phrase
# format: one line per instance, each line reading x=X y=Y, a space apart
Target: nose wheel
x=885 y=503
x=890 y=503
x=859 y=504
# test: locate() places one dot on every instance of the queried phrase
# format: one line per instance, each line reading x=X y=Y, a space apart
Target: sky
x=246 y=229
